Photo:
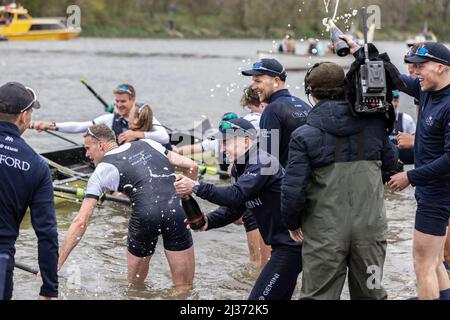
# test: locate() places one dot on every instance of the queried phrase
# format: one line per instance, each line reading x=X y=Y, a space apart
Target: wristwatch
x=195 y=187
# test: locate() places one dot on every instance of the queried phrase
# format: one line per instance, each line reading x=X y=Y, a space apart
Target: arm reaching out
x=187 y=166
x=76 y=230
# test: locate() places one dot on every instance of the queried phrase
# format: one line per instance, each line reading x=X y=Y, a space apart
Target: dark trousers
x=6 y=278
x=278 y=279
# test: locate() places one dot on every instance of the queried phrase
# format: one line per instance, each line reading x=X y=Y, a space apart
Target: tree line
x=242 y=18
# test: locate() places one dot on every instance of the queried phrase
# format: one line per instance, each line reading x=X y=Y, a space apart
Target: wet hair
x=250 y=97
x=101 y=132
x=143 y=116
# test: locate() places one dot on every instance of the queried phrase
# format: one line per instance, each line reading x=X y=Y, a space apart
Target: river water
x=183 y=81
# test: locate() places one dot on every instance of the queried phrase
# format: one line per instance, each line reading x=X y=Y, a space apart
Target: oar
x=202 y=170
x=66 y=198
x=80 y=193
x=65 y=170
x=73 y=200
x=62 y=138
x=108 y=108
x=26 y=268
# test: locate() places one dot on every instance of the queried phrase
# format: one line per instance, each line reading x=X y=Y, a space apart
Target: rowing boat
x=71 y=169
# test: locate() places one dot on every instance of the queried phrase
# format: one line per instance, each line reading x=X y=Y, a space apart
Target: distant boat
x=17 y=24
x=302 y=62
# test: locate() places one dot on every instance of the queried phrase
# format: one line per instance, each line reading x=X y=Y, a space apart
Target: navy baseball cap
x=235 y=128
x=15 y=98
x=430 y=51
x=268 y=67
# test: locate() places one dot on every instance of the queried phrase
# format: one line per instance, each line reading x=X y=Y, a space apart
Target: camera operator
x=332 y=193
x=431 y=175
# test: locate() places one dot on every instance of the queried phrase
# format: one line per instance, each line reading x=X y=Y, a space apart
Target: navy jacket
x=314 y=146
x=26 y=183
x=431 y=177
x=255 y=190
x=284 y=113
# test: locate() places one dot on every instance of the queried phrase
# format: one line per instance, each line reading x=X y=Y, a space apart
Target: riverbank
x=192 y=32
x=183 y=26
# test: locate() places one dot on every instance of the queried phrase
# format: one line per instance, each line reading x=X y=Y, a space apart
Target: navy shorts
x=146 y=227
x=249 y=221
x=432 y=219
x=278 y=279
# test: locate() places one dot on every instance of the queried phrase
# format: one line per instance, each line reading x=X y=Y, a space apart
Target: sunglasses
x=258 y=66
x=226 y=125
x=90 y=133
x=229 y=116
x=32 y=102
x=142 y=106
x=125 y=89
x=423 y=52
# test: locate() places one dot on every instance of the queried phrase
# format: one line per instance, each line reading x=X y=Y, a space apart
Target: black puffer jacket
x=332 y=134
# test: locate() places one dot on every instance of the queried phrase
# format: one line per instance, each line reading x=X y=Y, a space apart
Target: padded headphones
x=308 y=89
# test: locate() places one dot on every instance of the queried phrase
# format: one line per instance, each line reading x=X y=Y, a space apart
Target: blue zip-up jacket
x=431 y=177
x=284 y=113
x=26 y=183
x=255 y=190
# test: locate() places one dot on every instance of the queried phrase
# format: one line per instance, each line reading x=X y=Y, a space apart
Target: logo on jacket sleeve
x=9 y=139
x=254 y=203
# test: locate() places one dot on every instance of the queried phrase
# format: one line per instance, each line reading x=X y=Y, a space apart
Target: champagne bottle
x=193 y=213
x=340 y=46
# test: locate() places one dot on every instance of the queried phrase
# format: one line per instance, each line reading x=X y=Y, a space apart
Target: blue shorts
x=278 y=279
x=145 y=228
x=432 y=219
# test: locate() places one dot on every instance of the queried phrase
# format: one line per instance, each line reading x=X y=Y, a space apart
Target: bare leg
x=182 y=266
x=447 y=248
x=443 y=277
x=254 y=246
x=258 y=250
x=137 y=269
x=266 y=252
x=427 y=251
